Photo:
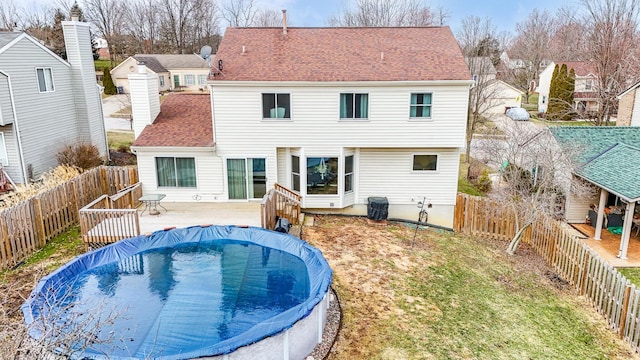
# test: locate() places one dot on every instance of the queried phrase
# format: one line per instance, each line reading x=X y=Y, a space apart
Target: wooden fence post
x=133 y=176
x=103 y=181
x=39 y=220
x=625 y=307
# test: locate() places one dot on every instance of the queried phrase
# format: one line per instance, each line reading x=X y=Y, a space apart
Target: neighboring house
x=585 y=96
x=103 y=49
x=46 y=102
x=609 y=158
x=481 y=68
x=502 y=96
x=629 y=107
x=338 y=115
x=175 y=72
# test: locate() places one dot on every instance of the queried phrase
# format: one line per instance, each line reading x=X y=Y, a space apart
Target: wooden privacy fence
x=29 y=225
x=608 y=291
x=280 y=202
x=102 y=224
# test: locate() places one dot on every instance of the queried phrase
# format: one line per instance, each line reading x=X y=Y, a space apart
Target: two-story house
x=175 y=71
x=46 y=102
x=585 y=96
x=338 y=115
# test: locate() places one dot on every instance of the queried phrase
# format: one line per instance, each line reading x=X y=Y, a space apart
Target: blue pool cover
x=181 y=293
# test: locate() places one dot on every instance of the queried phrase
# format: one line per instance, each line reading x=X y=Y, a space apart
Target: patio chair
x=593 y=218
x=614 y=221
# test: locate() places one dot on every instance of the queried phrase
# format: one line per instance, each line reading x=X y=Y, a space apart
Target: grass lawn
x=632 y=274
x=452 y=297
x=101 y=64
x=118 y=139
x=464 y=186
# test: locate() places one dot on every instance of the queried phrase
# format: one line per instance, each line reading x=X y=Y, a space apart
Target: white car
x=518 y=114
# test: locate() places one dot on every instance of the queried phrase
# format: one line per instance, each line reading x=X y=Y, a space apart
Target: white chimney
x=284 y=22
x=88 y=103
x=145 y=99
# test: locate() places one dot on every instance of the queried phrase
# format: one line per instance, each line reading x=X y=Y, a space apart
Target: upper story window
x=588 y=85
x=354 y=106
x=420 y=105
x=425 y=162
x=45 y=79
x=276 y=106
x=189 y=79
x=202 y=79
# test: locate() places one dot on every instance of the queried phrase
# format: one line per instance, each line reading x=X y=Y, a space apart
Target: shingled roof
x=340 y=54
x=184 y=120
x=609 y=156
x=581 y=68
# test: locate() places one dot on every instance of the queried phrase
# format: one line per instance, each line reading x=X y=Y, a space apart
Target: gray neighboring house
x=46 y=102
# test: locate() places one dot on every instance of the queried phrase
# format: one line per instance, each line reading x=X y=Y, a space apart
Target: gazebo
x=609 y=158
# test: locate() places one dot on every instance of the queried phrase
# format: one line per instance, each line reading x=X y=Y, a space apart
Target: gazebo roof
x=617 y=170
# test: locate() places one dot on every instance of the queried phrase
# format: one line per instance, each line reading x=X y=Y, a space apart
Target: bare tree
x=269 y=18
x=143 y=24
x=9 y=15
x=387 y=13
x=569 y=43
x=108 y=17
x=531 y=46
x=239 y=13
x=612 y=30
x=535 y=175
x=474 y=36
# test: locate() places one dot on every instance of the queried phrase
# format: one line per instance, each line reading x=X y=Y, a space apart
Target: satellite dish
x=205 y=52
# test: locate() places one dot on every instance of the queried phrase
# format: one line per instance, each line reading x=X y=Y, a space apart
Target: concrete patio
x=609 y=246
x=188 y=214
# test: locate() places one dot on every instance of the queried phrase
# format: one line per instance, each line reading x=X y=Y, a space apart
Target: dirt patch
x=119 y=158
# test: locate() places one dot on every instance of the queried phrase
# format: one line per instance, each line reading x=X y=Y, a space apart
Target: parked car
x=518 y=114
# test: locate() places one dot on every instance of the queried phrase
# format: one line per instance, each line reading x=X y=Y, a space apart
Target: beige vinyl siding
x=577 y=207
x=47 y=121
x=389 y=172
x=315 y=118
x=210 y=176
x=14 y=169
x=635 y=115
x=284 y=176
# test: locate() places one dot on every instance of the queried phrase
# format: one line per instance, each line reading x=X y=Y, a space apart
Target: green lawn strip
x=468 y=302
x=632 y=274
x=118 y=139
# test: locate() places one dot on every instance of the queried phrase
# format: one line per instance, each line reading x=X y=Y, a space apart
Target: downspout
x=15 y=123
x=103 y=126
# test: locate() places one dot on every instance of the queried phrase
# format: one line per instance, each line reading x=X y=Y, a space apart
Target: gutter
x=15 y=123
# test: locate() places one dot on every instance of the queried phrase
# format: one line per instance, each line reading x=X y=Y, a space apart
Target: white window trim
x=3 y=151
x=53 y=83
x=364 y=119
x=425 y=171
x=283 y=119
x=176 y=187
x=186 y=79
x=345 y=173
x=200 y=76
x=161 y=80
x=430 y=118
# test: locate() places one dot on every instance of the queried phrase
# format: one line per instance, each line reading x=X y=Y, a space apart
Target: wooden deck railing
x=127 y=198
x=608 y=291
x=280 y=202
x=101 y=224
x=29 y=225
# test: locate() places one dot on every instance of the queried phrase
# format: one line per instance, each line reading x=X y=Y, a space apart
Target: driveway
x=111 y=105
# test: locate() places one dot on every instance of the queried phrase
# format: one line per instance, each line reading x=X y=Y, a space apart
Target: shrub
x=484 y=182
x=123 y=148
x=82 y=155
x=107 y=82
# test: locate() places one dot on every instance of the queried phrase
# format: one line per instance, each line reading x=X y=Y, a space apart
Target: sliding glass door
x=247 y=178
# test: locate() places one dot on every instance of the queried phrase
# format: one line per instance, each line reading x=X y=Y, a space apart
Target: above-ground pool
x=186 y=293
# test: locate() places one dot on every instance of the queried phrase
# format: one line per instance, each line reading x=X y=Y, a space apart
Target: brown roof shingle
x=582 y=68
x=184 y=120
x=340 y=54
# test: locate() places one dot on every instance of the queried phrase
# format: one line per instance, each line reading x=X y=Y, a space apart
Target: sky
x=503 y=13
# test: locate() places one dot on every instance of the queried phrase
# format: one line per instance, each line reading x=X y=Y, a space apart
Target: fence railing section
x=101 y=224
x=29 y=225
x=280 y=202
x=573 y=261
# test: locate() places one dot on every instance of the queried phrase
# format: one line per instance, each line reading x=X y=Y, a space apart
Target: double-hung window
x=189 y=79
x=295 y=172
x=45 y=79
x=354 y=106
x=348 y=173
x=420 y=105
x=425 y=162
x=176 y=172
x=276 y=106
x=202 y=79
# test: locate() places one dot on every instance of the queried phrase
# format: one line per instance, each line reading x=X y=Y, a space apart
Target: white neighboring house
x=629 y=106
x=175 y=72
x=46 y=102
x=503 y=96
x=585 y=97
x=336 y=114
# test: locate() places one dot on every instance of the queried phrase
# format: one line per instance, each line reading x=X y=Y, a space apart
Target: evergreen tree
x=552 y=107
x=107 y=82
x=561 y=94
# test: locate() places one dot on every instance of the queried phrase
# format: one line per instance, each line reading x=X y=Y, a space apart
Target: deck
x=609 y=245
